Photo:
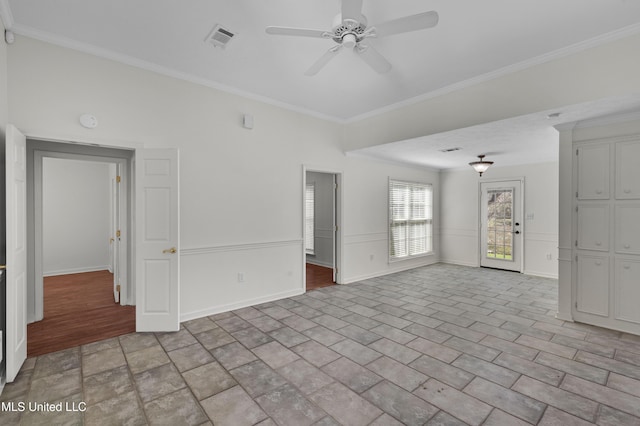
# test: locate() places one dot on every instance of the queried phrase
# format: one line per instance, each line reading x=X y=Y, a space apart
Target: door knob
x=516 y=232
x=172 y=250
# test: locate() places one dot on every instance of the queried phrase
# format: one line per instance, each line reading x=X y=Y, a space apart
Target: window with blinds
x=309 y=218
x=410 y=219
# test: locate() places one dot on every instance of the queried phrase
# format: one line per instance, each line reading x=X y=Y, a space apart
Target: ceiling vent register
x=219 y=36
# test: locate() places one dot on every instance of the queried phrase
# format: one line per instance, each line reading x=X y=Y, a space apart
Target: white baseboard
x=459 y=263
x=393 y=270
x=238 y=305
x=75 y=271
x=541 y=274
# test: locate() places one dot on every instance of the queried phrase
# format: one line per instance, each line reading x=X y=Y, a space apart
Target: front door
x=157 y=240
x=16 y=282
x=501 y=225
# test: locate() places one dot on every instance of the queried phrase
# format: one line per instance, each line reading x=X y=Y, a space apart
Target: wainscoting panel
x=367 y=256
x=222 y=278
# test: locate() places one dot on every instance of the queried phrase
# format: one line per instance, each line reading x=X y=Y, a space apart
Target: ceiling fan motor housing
x=348 y=32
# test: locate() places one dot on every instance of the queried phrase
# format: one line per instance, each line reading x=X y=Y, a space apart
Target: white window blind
x=309 y=217
x=410 y=219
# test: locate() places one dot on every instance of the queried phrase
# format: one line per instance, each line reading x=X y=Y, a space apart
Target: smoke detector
x=219 y=36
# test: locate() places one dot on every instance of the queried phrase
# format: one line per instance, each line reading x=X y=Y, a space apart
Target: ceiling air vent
x=219 y=36
x=450 y=149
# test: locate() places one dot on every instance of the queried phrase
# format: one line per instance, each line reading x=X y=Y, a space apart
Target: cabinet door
x=627 y=223
x=593 y=172
x=593 y=285
x=593 y=227
x=627 y=170
x=627 y=290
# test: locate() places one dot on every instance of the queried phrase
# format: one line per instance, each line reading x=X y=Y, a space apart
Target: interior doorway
x=321 y=228
x=81 y=273
x=80 y=232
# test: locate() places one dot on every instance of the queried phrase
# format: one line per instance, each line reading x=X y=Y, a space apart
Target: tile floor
x=440 y=345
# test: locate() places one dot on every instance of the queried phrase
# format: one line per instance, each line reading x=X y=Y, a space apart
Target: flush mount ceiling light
x=481 y=166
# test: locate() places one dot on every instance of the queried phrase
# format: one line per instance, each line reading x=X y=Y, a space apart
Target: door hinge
x=336 y=228
x=118 y=179
x=576 y=258
x=118 y=288
x=118 y=233
x=576 y=244
x=576 y=304
x=576 y=206
x=576 y=194
x=577 y=150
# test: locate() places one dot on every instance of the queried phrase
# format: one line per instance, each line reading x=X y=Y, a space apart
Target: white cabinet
x=606 y=266
x=628 y=170
x=593 y=227
x=593 y=172
x=593 y=285
x=627 y=289
x=627 y=223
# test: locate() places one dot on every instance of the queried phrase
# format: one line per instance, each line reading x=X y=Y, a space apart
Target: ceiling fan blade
x=324 y=60
x=303 y=32
x=421 y=21
x=351 y=9
x=372 y=57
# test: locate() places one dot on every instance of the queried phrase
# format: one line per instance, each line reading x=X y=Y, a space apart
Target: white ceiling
x=472 y=38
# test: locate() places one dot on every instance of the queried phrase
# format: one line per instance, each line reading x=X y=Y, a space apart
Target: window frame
x=428 y=205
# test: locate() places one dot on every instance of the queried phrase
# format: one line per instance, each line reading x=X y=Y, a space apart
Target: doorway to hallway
x=321 y=228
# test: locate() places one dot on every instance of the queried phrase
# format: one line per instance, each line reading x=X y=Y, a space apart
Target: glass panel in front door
x=500 y=224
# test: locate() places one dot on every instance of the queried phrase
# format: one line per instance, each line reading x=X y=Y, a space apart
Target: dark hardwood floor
x=78 y=309
x=318 y=277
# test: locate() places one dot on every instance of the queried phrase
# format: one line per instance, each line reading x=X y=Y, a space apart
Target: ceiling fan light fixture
x=481 y=166
x=349 y=40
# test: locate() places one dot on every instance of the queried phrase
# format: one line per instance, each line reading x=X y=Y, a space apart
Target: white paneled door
x=501 y=225
x=157 y=240
x=16 y=282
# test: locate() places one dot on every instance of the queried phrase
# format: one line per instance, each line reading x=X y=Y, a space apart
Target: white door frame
x=518 y=245
x=338 y=236
x=39 y=156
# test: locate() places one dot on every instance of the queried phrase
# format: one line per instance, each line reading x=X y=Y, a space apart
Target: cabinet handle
x=598 y=243
x=598 y=191
x=627 y=267
x=627 y=191
x=627 y=246
x=598 y=263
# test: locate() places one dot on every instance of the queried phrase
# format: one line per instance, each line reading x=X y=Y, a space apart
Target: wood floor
x=318 y=277
x=78 y=309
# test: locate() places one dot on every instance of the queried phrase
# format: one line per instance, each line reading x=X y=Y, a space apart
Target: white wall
x=460 y=215
x=323 y=232
x=76 y=216
x=228 y=174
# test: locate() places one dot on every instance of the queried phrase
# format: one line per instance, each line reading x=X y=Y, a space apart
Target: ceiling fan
x=350 y=30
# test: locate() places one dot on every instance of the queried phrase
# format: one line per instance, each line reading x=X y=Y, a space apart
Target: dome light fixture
x=482 y=165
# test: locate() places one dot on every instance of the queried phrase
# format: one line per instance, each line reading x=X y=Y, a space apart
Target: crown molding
x=621 y=33
x=159 y=69
x=6 y=15
x=7 y=18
